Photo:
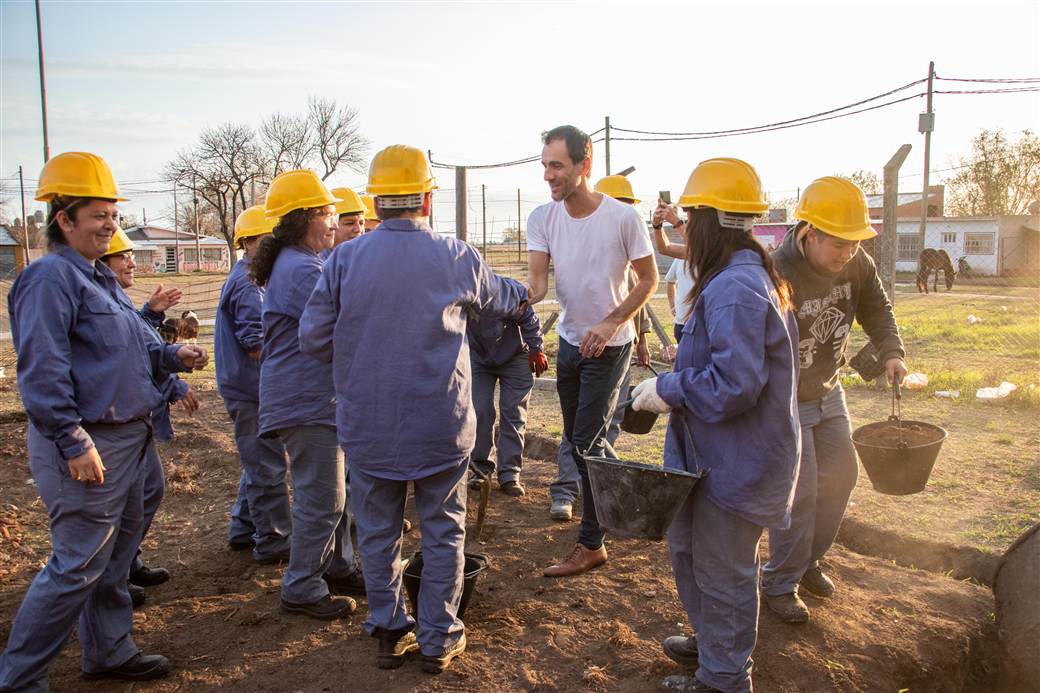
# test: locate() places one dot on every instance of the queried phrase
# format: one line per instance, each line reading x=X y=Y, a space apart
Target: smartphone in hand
x=666 y=196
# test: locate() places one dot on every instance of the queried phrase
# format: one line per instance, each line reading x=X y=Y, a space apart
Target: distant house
x=999 y=245
x=165 y=250
x=908 y=205
x=12 y=254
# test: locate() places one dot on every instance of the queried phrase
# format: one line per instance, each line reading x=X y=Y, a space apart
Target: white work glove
x=647 y=399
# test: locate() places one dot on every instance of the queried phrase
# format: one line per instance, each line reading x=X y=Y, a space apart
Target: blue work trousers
x=319 y=495
x=154 y=490
x=344 y=563
x=95 y=530
x=514 y=380
x=440 y=502
x=588 y=389
x=715 y=561
x=825 y=481
x=261 y=510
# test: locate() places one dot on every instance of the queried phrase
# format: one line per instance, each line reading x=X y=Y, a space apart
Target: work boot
x=816 y=583
x=149 y=577
x=435 y=665
x=686 y=684
x=579 y=561
x=140 y=667
x=789 y=607
x=241 y=544
x=512 y=488
x=137 y=595
x=560 y=510
x=327 y=608
x=353 y=584
x=394 y=645
x=274 y=558
x=682 y=650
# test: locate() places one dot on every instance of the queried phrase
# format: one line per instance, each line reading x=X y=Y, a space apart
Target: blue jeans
x=515 y=380
x=588 y=389
x=825 y=482
x=440 y=502
x=715 y=560
x=261 y=510
x=319 y=496
x=95 y=531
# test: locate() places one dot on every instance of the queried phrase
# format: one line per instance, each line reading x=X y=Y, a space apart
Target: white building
x=990 y=245
x=164 y=250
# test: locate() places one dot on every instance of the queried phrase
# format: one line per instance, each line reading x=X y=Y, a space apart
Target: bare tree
x=998 y=177
x=337 y=136
x=286 y=142
x=865 y=180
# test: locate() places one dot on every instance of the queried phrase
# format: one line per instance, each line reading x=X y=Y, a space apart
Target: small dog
x=169 y=329
x=188 y=327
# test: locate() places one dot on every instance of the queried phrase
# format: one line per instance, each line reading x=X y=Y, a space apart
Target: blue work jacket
x=295 y=388
x=82 y=358
x=736 y=385
x=239 y=331
x=497 y=341
x=389 y=312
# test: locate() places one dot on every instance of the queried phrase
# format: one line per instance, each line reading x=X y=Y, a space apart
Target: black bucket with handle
x=636 y=500
x=638 y=422
x=476 y=564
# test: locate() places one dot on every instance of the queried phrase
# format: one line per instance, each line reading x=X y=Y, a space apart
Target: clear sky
x=477 y=82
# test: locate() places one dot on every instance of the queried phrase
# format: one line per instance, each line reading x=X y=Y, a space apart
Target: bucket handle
x=686 y=431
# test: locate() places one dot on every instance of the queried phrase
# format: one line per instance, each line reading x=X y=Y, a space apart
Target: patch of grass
x=1004 y=440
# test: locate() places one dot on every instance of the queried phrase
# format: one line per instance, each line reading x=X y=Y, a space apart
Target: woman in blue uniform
x=297 y=399
x=85 y=375
x=734 y=405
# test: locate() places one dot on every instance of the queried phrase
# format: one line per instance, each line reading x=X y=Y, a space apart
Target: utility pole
x=886 y=245
x=925 y=124
x=519 y=232
x=195 y=202
x=176 y=235
x=43 y=84
x=607 y=141
x=483 y=215
x=25 y=220
x=461 y=227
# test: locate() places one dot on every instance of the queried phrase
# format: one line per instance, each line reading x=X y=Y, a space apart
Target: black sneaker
x=137 y=595
x=353 y=584
x=512 y=488
x=327 y=608
x=682 y=650
x=274 y=558
x=686 y=684
x=149 y=577
x=138 y=668
x=816 y=583
x=241 y=544
x=394 y=645
x=789 y=607
x=435 y=665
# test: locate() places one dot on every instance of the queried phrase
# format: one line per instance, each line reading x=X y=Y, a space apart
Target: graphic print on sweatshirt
x=831 y=324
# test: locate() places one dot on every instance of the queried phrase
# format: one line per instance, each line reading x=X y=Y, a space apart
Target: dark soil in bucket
x=889 y=434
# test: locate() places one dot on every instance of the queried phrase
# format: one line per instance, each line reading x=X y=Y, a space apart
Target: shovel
x=485 y=494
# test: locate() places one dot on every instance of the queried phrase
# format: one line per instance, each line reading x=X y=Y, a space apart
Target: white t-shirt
x=591 y=257
x=683 y=285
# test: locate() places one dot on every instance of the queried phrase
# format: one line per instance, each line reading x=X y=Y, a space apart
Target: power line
x=992 y=80
x=504 y=164
x=1008 y=90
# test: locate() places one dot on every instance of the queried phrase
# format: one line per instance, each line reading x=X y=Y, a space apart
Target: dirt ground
x=892 y=629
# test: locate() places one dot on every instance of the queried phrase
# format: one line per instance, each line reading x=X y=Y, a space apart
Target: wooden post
x=519 y=232
x=25 y=219
x=461 y=225
x=886 y=245
x=666 y=340
x=607 y=143
x=483 y=215
x=925 y=124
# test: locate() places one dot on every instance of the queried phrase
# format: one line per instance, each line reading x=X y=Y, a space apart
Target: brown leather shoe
x=580 y=561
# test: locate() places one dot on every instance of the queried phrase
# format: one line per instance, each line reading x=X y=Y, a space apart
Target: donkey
x=932 y=260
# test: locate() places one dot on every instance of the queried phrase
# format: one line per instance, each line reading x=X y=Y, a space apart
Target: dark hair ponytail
x=709 y=247
x=290 y=230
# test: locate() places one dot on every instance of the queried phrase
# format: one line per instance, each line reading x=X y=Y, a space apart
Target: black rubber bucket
x=638 y=422
x=476 y=564
x=636 y=500
x=898 y=469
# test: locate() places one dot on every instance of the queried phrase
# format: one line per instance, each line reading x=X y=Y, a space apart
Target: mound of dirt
x=888 y=628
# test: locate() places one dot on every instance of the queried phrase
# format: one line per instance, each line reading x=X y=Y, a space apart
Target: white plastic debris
x=948 y=394
x=999 y=392
x=1004 y=308
x=915 y=381
x=972 y=320
x=3 y=373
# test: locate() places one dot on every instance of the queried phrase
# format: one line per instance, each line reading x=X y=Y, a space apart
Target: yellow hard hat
x=728 y=185
x=370 y=208
x=837 y=207
x=400 y=170
x=617 y=187
x=300 y=189
x=347 y=201
x=252 y=222
x=120 y=243
x=77 y=174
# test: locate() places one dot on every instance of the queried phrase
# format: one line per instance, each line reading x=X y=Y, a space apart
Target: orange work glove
x=539 y=364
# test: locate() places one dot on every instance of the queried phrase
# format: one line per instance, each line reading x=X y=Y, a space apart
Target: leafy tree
x=998 y=176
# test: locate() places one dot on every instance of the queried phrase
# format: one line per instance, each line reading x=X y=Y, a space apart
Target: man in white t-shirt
x=592 y=240
x=680 y=282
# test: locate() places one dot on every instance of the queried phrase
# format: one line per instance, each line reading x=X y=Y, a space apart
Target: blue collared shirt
x=295 y=388
x=82 y=358
x=497 y=341
x=736 y=384
x=239 y=331
x=389 y=312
